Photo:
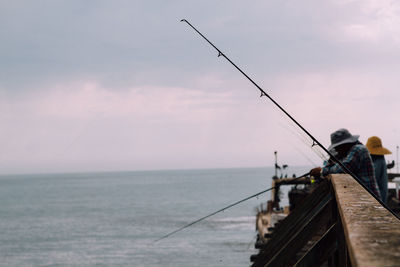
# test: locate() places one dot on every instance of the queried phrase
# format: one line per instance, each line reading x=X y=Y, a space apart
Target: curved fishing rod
x=314 y=140
x=225 y=208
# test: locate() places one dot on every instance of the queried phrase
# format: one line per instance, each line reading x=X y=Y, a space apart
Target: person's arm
x=351 y=162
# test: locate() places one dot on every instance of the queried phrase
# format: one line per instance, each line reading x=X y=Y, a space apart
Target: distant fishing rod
x=314 y=140
x=220 y=210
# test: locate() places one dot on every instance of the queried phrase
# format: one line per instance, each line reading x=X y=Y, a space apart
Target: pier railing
x=339 y=224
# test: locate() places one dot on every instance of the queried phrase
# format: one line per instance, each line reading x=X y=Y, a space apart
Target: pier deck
x=339 y=224
x=372 y=233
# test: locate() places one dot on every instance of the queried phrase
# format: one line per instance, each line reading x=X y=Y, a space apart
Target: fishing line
x=291 y=128
x=315 y=142
x=305 y=141
x=304 y=138
x=223 y=209
x=305 y=156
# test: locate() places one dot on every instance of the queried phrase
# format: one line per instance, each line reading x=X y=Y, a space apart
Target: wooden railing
x=339 y=224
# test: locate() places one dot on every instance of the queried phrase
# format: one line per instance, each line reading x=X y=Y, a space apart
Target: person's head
x=374 y=145
x=343 y=149
x=342 y=141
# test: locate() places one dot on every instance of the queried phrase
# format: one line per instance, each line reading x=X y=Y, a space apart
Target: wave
x=237 y=223
x=239 y=219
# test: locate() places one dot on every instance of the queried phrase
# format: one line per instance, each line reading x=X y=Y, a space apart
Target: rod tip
x=183 y=20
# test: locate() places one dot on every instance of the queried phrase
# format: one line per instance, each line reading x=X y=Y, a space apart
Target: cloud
x=125 y=85
x=126 y=44
x=87 y=122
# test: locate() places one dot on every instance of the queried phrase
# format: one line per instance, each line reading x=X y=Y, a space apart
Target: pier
x=338 y=224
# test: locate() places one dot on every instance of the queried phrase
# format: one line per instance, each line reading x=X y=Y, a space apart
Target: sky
x=124 y=85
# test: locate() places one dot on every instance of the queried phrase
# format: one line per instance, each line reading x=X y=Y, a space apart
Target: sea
x=115 y=218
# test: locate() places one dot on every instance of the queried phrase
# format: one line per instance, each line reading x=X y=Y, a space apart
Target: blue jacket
x=381 y=175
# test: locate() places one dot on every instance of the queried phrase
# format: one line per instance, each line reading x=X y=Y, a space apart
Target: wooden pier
x=339 y=224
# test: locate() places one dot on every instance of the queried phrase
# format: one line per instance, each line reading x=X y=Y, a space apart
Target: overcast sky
x=123 y=85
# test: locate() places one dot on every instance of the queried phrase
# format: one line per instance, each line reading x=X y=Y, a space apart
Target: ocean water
x=112 y=219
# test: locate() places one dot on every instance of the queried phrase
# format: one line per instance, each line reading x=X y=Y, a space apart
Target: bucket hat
x=342 y=136
x=374 y=145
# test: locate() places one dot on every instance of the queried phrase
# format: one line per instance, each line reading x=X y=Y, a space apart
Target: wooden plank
x=293 y=245
x=372 y=233
x=341 y=257
x=299 y=213
x=321 y=250
x=293 y=222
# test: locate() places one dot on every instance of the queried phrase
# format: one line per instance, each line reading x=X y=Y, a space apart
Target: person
x=354 y=156
x=377 y=151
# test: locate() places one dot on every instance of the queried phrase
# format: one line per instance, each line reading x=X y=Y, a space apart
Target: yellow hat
x=374 y=145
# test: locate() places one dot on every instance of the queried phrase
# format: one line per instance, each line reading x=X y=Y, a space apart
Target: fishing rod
x=225 y=208
x=314 y=140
